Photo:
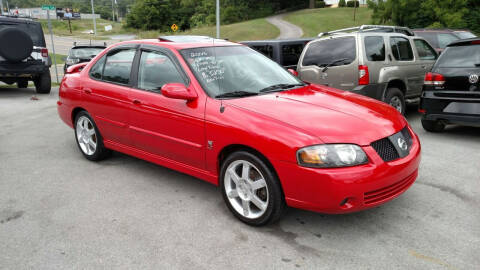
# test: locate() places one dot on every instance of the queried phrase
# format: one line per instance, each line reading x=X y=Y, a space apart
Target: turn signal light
x=434 y=79
x=363 y=75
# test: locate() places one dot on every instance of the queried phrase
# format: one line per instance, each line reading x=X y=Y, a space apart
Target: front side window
x=118 y=66
x=156 y=70
x=375 y=48
x=291 y=54
x=401 y=49
x=97 y=69
x=332 y=52
x=236 y=69
x=425 y=51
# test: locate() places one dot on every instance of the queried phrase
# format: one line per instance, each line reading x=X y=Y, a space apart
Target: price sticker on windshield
x=174 y=27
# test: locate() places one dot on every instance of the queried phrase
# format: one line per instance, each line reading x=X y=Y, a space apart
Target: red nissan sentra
x=226 y=114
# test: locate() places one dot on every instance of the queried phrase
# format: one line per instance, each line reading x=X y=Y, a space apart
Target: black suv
x=451 y=92
x=23 y=54
x=81 y=53
x=285 y=52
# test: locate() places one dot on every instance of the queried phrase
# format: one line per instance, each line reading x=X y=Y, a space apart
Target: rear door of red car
x=170 y=128
x=106 y=93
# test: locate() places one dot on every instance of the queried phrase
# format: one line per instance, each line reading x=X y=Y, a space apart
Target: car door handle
x=87 y=90
x=136 y=102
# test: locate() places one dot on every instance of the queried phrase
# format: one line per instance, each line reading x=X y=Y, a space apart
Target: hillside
x=314 y=21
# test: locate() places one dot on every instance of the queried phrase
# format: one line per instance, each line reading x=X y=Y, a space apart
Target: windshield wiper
x=281 y=86
x=333 y=62
x=237 y=94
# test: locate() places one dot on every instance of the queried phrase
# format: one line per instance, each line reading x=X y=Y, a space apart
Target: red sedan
x=226 y=114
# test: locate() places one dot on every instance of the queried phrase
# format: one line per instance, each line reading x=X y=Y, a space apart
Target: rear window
x=85 y=53
x=444 y=39
x=291 y=53
x=375 y=48
x=464 y=34
x=460 y=57
x=324 y=52
x=34 y=30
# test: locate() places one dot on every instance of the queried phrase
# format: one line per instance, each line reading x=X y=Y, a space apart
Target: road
x=287 y=30
x=58 y=210
x=64 y=43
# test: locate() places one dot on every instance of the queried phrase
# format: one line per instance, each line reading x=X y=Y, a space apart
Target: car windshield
x=464 y=34
x=85 y=52
x=234 y=71
x=34 y=30
x=460 y=57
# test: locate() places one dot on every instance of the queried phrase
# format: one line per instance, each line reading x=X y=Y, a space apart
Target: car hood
x=334 y=116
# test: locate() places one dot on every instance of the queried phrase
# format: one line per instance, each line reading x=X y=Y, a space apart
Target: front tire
x=251 y=189
x=88 y=138
x=43 y=84
x=22 y=84
x=433 y=125
x=396 y=99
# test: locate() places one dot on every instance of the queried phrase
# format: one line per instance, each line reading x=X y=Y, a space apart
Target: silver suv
x=381 y=63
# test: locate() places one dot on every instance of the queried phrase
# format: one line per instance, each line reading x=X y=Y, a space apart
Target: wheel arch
x=397 y=83
x=75 y=111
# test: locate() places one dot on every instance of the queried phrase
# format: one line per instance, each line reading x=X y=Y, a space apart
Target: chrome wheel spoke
x=91 y=132
x=260 y=183
x=245 y=170
x=259 y=203
x=246 y=207
x=233 y=193
x=92 y=144
x=233 y=175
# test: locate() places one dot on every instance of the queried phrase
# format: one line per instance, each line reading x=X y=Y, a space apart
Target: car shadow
x=7 y=92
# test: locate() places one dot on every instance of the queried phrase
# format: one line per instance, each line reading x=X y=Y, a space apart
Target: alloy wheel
x=86 y=135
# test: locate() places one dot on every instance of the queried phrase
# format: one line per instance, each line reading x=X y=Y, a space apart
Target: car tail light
x=44 y=52
x=434 y=79
x=363 y=75
x=476 y=42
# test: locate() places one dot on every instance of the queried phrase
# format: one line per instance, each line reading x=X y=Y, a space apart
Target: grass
x=60 y=58
x=315 y=21
x=248 y=30
x=60 y=27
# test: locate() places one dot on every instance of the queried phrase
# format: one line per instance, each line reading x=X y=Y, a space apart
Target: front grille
x=385 y=193
x=385 y=149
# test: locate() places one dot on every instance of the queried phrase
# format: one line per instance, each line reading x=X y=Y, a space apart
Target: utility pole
x=8 y=8
x=218 y=18
x=113 y=12
x=354 y=9
x=94 y=21
x=1 y=6
x=53 y=46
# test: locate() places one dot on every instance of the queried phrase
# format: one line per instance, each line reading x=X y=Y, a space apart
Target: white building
x=335 y=2
x=38 y=13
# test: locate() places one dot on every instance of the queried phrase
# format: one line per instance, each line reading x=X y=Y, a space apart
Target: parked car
x=23 y=54
x=81 y=53
x=440 y=38
x=230 y=116
x=451 y=92
x=285 y=52
x=386 y=66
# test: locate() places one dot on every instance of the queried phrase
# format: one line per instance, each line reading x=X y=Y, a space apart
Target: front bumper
x=350 y=189
x=22 y=69
x=371 y=90
x=452 y=107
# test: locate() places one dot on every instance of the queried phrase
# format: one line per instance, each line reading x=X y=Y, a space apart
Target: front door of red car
x=106 y=94
x=166 y=127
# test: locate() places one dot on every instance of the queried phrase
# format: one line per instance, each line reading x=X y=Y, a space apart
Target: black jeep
x=23 y=54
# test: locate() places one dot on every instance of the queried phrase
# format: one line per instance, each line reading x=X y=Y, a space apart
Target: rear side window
x=460 y=57
x=291 y=53
x=375 y=48
x=425 y=51
x=118 y=66
x=430 y=37
x=324 y=52
x=97 y=69
x=401 y=49
x=266 y=50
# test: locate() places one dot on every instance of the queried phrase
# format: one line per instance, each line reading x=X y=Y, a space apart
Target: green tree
x=342 y=3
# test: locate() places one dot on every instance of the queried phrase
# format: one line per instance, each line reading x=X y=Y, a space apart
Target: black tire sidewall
x=433 y=125
x=43 y=84
x=392 y=92
x=276 y=201
x=22 y=84
x=100 y=150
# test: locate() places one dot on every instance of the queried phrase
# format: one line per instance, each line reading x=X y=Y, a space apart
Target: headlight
x=72 y=61
x=331 y=156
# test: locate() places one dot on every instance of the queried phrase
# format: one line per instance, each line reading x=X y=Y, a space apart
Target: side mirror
x=178 y=91
x=294 y=72
x=76 y=68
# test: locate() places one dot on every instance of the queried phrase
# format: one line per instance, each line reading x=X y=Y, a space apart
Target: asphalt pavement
x=59 y=210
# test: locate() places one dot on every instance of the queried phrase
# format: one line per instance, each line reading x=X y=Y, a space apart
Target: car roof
x=365 y=34
x=17 y=20
x=89 y=46
x=444 y=30
x=187 y=44
x=466 y=41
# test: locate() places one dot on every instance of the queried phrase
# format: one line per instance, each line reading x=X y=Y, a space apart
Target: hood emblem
x=473 y=78
x=402 y=144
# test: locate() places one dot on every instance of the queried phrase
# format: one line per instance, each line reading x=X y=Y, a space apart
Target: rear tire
x=89 y=140
x=396 y=99
x=43 y=84
x=433 y=125
x=251 y=189
x=22 y=84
